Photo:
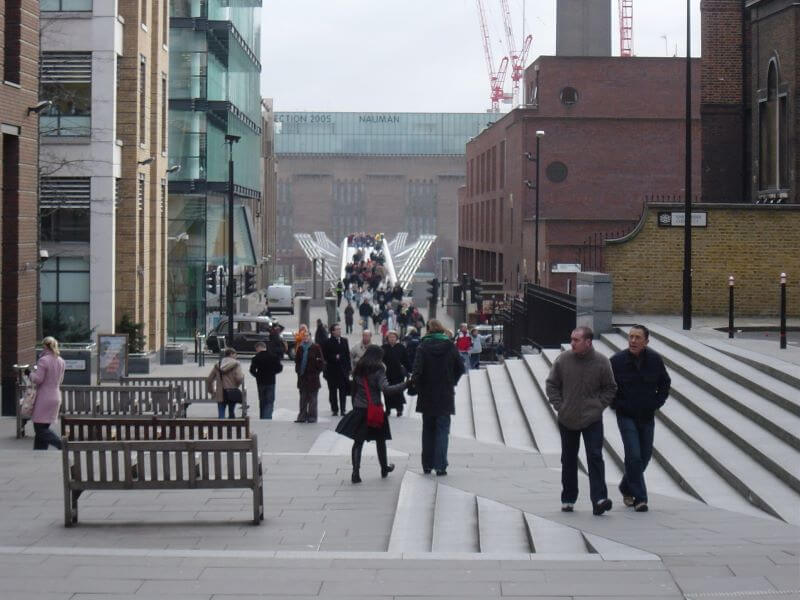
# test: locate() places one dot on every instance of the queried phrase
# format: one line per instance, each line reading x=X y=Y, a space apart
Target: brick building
x=19 y=91
x=103 y=167
x=614 y=135
x=750 y=115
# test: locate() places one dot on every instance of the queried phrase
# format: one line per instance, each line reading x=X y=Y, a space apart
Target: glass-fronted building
x=213 y=92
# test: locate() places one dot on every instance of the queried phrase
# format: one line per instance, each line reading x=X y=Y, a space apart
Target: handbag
x=28 y=400
x=232 y=395
x=375 y=414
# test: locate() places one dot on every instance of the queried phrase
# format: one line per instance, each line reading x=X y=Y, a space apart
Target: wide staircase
x=727 y=435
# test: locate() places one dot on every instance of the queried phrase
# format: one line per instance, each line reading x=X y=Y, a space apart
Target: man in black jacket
x=437 y=369
x=337 y=369
x=642 y=388
x=264 y=366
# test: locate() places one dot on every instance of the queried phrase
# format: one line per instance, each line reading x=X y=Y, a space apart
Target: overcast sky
x=420 y=55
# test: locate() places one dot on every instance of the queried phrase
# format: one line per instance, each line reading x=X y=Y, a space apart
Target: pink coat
x=47 y=377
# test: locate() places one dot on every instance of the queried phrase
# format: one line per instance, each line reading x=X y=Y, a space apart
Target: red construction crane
x=517 y=58
x=626 y=27
x=496 y=78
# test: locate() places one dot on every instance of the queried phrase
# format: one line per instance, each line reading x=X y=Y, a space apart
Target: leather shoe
x=386 y=470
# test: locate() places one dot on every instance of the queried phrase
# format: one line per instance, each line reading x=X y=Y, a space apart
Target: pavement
x=323 y=537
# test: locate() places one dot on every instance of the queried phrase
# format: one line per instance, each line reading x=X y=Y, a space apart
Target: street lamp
x=146 y=161
x=230 y=140
x=539 y=136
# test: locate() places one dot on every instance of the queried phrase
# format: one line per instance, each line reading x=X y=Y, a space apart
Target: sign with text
x=112 y=357
x=677 y=219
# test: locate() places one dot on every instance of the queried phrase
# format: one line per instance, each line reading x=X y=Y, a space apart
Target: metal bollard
x=201 y=358
x=730 y=306
x=783 y=311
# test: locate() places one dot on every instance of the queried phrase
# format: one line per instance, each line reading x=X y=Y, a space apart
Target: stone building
x=103 y=167
x=750 y=114
x=19 y=96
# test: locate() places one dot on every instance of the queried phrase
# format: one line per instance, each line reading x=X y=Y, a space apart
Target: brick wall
x=752 y=243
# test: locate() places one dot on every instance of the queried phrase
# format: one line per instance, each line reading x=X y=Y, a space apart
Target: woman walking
x=395 y=357
x=369 y=380
x=308 y=364
x=224 y=383
x=47 y=376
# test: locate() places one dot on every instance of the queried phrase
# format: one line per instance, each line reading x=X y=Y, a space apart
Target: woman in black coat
x=321 y=334
x=395 y=357
x=437 y=369
x=369 y=380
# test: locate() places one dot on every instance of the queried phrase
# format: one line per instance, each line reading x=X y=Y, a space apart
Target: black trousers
x=337 y=394
x=45 y=437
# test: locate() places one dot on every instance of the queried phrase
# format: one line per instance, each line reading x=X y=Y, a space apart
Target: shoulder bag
x=28 y=400
x=375 y=414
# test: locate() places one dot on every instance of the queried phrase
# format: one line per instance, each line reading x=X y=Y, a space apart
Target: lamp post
x=230 y=140
x=687 y=224
x=539 y=136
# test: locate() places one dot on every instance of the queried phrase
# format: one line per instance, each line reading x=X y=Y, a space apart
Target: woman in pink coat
x=47 y=375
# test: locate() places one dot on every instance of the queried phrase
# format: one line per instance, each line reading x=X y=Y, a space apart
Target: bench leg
x=75 y=495
x=67 y=506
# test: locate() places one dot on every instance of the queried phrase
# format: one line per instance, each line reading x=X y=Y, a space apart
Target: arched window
x=773 y=150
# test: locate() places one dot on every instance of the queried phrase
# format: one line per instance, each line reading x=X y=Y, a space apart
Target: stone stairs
x=435 y=518
x=728 y=436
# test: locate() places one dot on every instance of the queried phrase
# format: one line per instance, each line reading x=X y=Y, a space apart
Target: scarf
x=306 y=346
x=436 y=336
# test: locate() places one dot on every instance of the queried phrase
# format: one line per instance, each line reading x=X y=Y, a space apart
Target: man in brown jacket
x=224 y=383
x=580 y=387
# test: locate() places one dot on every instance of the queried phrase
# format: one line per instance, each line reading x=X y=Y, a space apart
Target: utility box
x=593 y=298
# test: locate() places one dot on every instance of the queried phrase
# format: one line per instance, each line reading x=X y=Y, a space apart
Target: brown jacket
x=309 y=380
x=225 y=375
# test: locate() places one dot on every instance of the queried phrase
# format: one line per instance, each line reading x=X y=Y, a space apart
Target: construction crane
x=626 y=27
x=517 y=58
x=496 y=78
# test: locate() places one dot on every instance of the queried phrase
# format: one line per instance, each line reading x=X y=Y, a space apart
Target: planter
x=173 y=355
x=139 y=363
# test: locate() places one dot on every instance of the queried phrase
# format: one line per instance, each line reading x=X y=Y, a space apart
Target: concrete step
x=486 y=423
x=773 y=417
x=514 y=425
x=502 y=528
x=463 y=423
x=762 y=385
x=455 y=521
x=412 y=529
x=772 y=452
x=781 y=370
x=541 y=419
x=549 y=537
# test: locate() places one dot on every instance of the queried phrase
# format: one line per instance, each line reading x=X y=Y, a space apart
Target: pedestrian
x=348 y=318
x=369 y=380
x=395 y=357
x=321 y=334
x=276 y=345
x=266 y=364
x=476 y=348
x=308 y=364
x=411 y=342
x=463 y=344
x=224 y=383
x=642 y=388
x=339 y=292
x=336 y=352
x=384 y=330
x=580 y=387
x=298 y=337
x=47 y=376
x=361 y=347
x=437 y=369
x=365 y=312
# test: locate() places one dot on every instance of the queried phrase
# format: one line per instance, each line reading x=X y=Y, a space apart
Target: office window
x=142 y=99
x=65 y=5
x=143 y=5
x=12 y=30
x=66 y=80
x=140 y=193
x=165 y=22
x=64 y=209
x=65 y=299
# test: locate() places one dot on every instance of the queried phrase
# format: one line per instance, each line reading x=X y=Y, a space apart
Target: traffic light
x=211 y=281
x=476 y=290
x=433 y=289
x=249 y=282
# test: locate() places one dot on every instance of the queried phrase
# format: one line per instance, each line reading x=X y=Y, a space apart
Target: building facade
x=269 y=194
x=213 y=95
x=750 y=114
x=102 y=167
x=19 y=257
x=390 y=172
x=613 y=137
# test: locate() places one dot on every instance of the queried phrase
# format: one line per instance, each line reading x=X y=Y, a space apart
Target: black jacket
x=396 y=360
x=264 y=366
x=437 y=368
x=641 y=389
x=337 y=371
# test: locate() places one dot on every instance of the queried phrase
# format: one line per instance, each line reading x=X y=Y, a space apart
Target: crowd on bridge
x=365 y=240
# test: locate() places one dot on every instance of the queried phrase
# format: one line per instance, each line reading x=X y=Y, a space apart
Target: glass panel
x=65 y=225
x=68 y=323
x=47 y=281
x=187 y=264
x=217 y=251
x=76 y=5
x=49 y=5
x=73 y=264
x=73 y=287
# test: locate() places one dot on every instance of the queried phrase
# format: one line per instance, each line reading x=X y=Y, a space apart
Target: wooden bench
x=160 y=465
x=97 y=400
x=79 y=429
x=191 y=390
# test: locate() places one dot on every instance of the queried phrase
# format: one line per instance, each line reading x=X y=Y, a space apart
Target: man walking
x=337 y=369
x=580 y=387
x=264 y=366
x=642 y=388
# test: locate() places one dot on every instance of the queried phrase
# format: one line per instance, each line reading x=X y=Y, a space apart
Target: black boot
x=355 y=455
x=385 y=467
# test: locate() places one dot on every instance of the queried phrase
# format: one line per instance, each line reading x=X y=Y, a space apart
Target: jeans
x=266 y=400
x=348 y=327
x=637 y=438
x=465 y=357
x=221 y=409
x=337 y=395
x=435 y=437
x=570 y=444
x=474 y=360
x=45 y=437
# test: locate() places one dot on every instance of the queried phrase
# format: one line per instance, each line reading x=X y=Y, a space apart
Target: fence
x=542 y=317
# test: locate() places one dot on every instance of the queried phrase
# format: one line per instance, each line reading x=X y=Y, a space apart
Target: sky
x=421 y=55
